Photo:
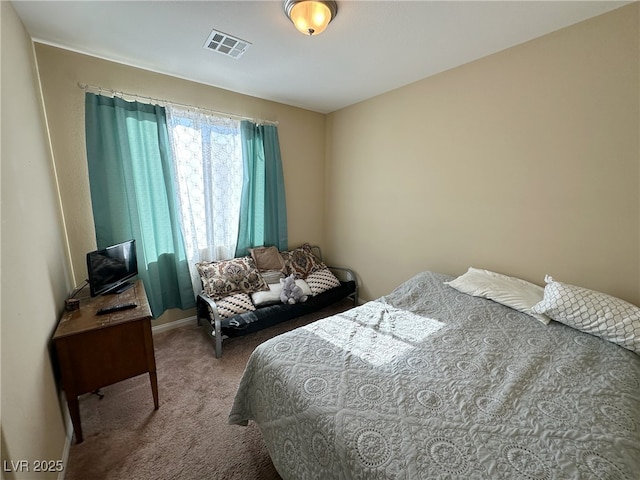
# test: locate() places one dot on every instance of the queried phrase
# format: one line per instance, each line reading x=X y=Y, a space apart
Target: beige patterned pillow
x=321 y=281
x=301 y=262
x=267 y=258
x=225 y=277
x=592 y=312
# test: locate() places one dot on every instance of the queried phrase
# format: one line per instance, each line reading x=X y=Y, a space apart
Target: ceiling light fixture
x=310 y=17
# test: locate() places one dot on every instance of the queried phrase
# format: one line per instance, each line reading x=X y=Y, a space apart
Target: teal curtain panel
x=263 y=209
x=133 y=194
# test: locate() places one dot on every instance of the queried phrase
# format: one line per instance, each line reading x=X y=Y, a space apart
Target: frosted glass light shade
x=310 y=17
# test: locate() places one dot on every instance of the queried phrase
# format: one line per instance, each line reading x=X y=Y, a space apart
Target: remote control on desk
x=116 y=308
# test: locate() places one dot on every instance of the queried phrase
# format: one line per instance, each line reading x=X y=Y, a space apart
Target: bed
x=428 y=382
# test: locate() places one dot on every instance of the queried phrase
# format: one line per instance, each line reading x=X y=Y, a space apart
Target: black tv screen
x=110 y=268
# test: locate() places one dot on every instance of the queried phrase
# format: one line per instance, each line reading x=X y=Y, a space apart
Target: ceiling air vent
x=226 y=44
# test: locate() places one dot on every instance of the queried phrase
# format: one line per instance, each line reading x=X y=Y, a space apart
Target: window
x=207 y=156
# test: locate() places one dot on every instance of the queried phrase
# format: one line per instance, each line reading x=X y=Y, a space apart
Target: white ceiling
x=371 y=47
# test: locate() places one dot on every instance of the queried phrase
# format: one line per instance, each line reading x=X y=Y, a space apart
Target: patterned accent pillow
x=592 y=312
x=301 y=262
x=321 y=281
x=222 y=278
x=234 y=304
x=286 y=258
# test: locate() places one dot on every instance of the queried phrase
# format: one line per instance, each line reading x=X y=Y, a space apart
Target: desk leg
x=74 y=411
x=154 y=389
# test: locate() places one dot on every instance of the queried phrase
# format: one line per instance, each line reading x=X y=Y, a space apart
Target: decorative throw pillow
x=229 y=276
x=302 y=262
x=267 y=258
x=597 y=313
x=234 y=304
x=510 y=291
x=321 y=281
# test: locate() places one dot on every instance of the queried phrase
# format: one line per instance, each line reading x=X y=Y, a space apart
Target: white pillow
x=267 y=297
x=273 y=295
x=510 y=291
x=597 y=313
x=304 y=286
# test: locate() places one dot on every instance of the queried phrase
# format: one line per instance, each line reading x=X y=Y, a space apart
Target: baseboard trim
x=65 y=453
x=175 y=324
x=68 y=426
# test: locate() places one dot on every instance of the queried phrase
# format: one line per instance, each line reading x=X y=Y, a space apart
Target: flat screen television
x=110 y=268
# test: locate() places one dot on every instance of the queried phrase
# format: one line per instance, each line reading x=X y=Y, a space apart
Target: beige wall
x=301 y=140
x=35 y=278
x=525 y=162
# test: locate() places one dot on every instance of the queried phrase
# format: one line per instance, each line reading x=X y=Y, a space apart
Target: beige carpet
x=188 y=437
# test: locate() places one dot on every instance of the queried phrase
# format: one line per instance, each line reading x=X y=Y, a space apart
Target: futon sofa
x=242 y=295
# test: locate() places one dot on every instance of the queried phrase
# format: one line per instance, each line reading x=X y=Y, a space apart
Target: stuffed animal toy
x=291 y=293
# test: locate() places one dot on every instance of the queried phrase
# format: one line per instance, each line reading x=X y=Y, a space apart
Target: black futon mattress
x=269 y=315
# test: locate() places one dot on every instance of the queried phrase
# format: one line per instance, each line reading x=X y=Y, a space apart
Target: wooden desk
x=97 y=350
